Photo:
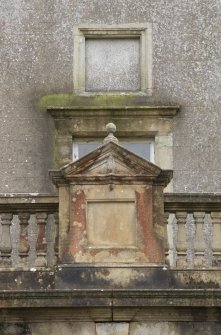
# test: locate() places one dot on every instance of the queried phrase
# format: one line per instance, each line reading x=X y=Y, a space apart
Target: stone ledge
x=108 y=278
x=110 y=313
x=105 y=101
x=15 y=203
x=113 y=111
x=111 y=298
x=207 y=202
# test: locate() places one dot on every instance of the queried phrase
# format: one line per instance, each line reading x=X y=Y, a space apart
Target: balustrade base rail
x=108 y=278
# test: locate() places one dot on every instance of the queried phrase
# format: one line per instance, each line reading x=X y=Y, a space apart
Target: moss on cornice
x=68 y=100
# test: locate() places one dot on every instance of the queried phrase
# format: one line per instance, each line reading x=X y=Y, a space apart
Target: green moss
x=69 y=100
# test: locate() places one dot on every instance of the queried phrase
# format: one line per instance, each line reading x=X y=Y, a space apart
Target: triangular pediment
x=111 y=162
x=111 y=159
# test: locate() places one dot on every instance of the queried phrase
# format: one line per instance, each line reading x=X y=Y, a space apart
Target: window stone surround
x=125 y=31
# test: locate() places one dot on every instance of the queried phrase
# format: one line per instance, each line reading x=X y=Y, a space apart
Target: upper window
x=113 y=58
x=142 y=148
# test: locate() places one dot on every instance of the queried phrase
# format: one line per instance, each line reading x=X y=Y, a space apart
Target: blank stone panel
x=111 y=224
x=112 y=64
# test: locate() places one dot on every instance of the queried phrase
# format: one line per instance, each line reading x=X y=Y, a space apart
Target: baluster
x=190 y=236
x=199 y=244
x=174 y=231
x=23 y=249
x=56 y=248
x=216 y=237
x=181 y=245
x=41 y=245
x=6 y=243
x=168 y=242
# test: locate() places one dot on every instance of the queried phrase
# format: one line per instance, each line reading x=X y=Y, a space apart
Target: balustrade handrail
x=17 y=202
x=191 y=202
x=28 y=202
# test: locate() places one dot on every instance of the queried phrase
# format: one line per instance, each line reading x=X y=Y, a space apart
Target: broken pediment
x=113 y=162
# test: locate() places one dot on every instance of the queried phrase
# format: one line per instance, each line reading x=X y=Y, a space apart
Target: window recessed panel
x=112 y=64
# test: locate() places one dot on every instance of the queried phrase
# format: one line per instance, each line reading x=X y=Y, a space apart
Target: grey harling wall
x=37 y=59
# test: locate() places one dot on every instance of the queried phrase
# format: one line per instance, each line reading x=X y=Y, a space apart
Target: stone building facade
x=67 y=69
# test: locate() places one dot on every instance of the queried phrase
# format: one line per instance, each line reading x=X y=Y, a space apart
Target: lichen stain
x=199 y=279
x=120 y=277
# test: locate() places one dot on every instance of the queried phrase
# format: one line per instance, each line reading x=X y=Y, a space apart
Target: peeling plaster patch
x=77 y=224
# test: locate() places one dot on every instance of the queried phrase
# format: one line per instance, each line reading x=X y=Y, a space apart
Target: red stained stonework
x=78 y=223
x=152 y=246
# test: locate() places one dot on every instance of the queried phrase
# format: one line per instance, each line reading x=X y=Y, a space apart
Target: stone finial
x=111 y=128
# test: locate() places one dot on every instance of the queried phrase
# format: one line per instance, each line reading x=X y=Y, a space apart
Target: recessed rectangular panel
x=112 y=64
x=111 y=224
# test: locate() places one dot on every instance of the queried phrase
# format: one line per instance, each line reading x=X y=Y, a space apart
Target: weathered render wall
x=37 y=59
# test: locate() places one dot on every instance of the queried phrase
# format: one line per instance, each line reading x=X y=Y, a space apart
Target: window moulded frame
x=141 y=31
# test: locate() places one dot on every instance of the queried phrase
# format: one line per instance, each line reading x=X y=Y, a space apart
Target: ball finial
x=111 y=128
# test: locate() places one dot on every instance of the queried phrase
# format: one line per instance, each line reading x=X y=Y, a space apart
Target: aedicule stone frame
x=133 y=231
x=141 y=31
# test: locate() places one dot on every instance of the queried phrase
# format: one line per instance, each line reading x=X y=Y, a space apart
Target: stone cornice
x=114 y=298
x=70 y=105
x=135 y=111
x=32 y=203
x=192 y=202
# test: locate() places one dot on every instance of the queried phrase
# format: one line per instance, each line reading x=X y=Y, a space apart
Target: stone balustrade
x=28 y=230
x=194 y=230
